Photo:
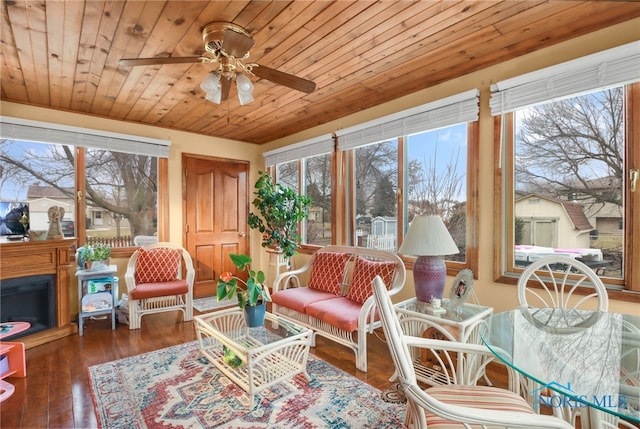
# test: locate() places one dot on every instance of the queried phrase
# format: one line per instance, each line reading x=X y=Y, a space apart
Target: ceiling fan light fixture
x=245 y=89
x=214 y=97
x=211 y=83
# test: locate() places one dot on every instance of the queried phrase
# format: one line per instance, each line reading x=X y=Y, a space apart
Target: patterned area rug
x=177 y=387
x=210 y=303
x=394 y=394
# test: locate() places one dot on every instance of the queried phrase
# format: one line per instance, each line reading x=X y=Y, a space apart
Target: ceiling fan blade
x=158 y=61
x=282 y=78
x=236 y=44
x=225 y=86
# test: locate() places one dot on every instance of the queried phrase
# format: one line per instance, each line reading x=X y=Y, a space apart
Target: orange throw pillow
x=327 y=272
x=364 y=273
x=157 y=265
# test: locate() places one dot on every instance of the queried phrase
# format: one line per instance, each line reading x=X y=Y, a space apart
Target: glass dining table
x=590 y=359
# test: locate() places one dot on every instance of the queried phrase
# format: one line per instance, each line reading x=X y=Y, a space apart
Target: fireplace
x=29 y=299
x=22 y=260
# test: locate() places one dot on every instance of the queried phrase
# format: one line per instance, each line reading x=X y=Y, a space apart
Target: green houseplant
x=93 y=257
x=281 y=209
x=254 y=292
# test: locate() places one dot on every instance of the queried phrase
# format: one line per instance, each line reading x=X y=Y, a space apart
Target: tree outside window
x=119 y=200
x=376 y=184
x=436 y=180
x=569 y=160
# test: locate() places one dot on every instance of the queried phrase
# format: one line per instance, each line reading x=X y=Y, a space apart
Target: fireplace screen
x=29 y=299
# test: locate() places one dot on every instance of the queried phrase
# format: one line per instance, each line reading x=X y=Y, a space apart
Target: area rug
x=210 y=303
x=176 y=387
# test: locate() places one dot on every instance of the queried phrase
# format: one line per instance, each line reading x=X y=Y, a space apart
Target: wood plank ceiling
x=64 y=54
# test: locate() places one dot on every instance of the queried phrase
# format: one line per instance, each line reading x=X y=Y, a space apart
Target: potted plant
x=93 y=258
x=253 y=297
x=281 y=209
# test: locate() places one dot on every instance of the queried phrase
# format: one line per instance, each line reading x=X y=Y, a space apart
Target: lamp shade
x=245 y=89
x=211 y=83
x=211 y=86
x=428 y=239
x=428 y=236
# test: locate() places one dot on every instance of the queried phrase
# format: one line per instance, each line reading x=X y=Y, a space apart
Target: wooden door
x=216 y=209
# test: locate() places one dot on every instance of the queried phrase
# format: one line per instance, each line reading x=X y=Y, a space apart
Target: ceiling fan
x=228 y=45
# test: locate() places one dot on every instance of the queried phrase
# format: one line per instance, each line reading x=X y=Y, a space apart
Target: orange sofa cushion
x=153 y=290
x=299 y=298
x=327 y=272
x=339 y=312
x=364 y=273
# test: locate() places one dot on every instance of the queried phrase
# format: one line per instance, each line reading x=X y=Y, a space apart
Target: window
x=317 y=184
x=41 y=175
x=567 y=162
x=418 y=161
x=375 y=188
x=422 y=160
x=108 y=195
x=437 y=165
x=307 y=167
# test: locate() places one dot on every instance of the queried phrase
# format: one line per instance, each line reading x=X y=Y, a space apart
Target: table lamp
x=429 y=240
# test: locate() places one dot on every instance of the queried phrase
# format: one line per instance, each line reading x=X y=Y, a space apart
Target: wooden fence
x=122 y=241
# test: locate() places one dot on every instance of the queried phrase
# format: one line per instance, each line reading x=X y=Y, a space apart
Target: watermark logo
x=557 y=395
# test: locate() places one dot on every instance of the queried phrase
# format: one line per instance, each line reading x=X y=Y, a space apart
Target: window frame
x=505 y=270
x=472 y=221
x=343 y=200
x=36 y=131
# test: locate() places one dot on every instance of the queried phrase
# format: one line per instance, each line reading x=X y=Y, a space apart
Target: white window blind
x=613 y=67
x=457 y=109
x=35 y=131
x=312 y=147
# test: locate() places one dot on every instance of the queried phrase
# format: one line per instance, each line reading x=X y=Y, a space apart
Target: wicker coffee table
x=253 y=358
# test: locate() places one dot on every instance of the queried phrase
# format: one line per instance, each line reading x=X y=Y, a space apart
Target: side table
x=455 y=325
x=12 y=359
x=95 y=302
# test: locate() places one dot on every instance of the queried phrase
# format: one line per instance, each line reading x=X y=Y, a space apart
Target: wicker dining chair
x=461 y=403
x=552 y=282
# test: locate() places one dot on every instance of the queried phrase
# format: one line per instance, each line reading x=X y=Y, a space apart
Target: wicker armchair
x=159 y=278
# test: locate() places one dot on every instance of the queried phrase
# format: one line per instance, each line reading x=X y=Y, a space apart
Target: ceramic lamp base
x=429 y=277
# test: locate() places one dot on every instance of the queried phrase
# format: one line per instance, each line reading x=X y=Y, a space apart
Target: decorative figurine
x=55 y=228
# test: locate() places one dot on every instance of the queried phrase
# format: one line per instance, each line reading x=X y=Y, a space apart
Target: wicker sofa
x=332 y=294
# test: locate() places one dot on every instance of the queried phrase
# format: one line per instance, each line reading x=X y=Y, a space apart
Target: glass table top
x=590 y=357
x=459 y=314
x=230 y=324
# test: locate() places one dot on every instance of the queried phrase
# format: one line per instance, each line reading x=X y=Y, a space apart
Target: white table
x=454 y=325
x=266 y=355
x=106 y=298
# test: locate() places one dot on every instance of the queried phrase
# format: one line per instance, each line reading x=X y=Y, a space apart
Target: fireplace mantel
x=22 y=259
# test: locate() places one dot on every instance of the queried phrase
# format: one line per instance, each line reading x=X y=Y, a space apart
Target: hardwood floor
x=55 y=393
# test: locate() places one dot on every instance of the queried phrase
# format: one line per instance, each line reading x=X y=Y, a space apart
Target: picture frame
x=461 y=289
